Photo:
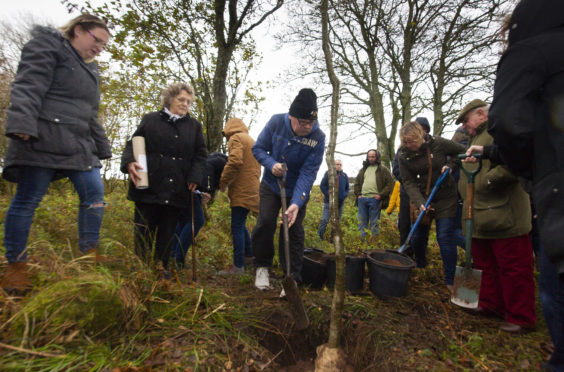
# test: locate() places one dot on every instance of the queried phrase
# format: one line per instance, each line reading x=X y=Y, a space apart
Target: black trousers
x=262 y=239
x=404 y=220
x=154 y=223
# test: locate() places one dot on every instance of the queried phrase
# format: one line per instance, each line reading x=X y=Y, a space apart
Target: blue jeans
x=241 y=236
x=368 y=212
x=183 y=230
x=325 y=218
x=446 y=236
x=551 y=293
x=32 y=186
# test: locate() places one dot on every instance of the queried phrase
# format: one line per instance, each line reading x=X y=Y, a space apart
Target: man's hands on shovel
x=291 y=214
x=279 y=170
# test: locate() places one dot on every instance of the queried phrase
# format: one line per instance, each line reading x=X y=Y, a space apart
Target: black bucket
x=354 y=273
x=389 y=273
x=314 y=269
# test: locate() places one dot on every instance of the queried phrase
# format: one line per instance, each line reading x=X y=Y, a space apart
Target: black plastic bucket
x=389 y=273
x=314 y=269
x=354 y=273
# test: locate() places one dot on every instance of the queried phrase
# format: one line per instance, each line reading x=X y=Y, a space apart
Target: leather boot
x=98 y=258
x=16 y=280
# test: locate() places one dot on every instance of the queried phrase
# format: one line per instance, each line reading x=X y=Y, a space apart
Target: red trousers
x=508 y=284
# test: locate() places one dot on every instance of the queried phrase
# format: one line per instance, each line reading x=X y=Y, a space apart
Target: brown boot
x=16 y=280
x=98 y=258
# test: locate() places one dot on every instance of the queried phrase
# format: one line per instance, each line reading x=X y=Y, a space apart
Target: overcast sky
x=275 y=61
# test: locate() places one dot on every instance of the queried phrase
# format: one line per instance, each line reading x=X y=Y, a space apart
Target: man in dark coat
x=372 y=188
x=526 y=120
x=343 y=190
x=500 y=242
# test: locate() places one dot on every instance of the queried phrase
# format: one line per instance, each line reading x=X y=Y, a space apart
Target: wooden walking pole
x=194 y=276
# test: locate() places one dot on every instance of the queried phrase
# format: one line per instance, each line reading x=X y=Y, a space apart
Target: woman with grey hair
x=176 y=158
x=54 y=133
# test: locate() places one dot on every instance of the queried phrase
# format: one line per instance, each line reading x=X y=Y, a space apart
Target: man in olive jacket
x=500 y=243
x=372 y=188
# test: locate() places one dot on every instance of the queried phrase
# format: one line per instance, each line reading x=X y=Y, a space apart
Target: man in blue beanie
x=296 y=141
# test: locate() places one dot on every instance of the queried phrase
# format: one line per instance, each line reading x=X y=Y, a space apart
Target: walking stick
x=194 y=276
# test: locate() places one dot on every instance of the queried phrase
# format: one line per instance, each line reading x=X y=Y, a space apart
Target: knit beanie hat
x=304 y=105
x=424 y=123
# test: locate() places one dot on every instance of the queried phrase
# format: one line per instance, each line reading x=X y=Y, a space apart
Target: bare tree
x=330 y=355
x=196 y=41
x=397 y=58
x=462 y=55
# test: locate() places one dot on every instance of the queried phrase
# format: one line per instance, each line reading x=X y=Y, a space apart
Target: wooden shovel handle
x=470 y=201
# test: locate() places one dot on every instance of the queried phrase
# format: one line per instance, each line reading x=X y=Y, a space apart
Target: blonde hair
x=173 y=90
x=412 y=131
x=86 y=21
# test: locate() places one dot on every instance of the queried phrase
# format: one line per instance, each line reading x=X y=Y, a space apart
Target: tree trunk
x=329 y=356
x=219 y=100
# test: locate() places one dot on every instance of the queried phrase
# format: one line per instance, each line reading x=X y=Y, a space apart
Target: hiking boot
x=98 y=258
x=232 y=270
x=262 y=281
x=15 y=279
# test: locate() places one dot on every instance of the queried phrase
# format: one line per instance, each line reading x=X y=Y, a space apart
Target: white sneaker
x=261 y=281
x=283 y=293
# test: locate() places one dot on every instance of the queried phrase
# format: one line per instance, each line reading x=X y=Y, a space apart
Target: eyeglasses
x=97 y=41
x=186 y=101
x=305 y=123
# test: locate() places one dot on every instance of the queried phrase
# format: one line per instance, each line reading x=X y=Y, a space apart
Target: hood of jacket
x=533 y=17
x=233 y=126
x=39 y=30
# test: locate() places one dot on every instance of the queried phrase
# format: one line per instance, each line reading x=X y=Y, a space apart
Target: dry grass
x=120 y=315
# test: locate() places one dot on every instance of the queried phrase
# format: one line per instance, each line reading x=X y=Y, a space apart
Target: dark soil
x=421 y=331
x=392 y=262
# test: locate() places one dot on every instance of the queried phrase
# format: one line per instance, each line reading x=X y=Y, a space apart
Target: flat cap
x=475 y=103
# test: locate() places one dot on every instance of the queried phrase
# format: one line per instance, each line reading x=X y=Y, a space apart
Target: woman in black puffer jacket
x=176 y=161
x=54 y=131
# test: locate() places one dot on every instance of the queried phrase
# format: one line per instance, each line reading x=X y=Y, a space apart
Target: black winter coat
x=54 y=99
x=526 y=117
x=176 y=155
x=414 y=168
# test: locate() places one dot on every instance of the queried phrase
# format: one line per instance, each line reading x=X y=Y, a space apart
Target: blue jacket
x=277 y=143
x=343 y=187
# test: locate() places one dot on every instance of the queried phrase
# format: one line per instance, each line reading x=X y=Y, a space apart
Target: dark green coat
x=384 y=182
x=501 y=207
x=414 y=169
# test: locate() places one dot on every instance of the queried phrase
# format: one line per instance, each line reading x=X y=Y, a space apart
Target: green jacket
x=384 y=181
x=501 y=207
x=414 y=169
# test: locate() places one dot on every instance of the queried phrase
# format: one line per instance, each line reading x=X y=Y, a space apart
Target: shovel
x=406 y=244
x=290 y=287
x=467 y=281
